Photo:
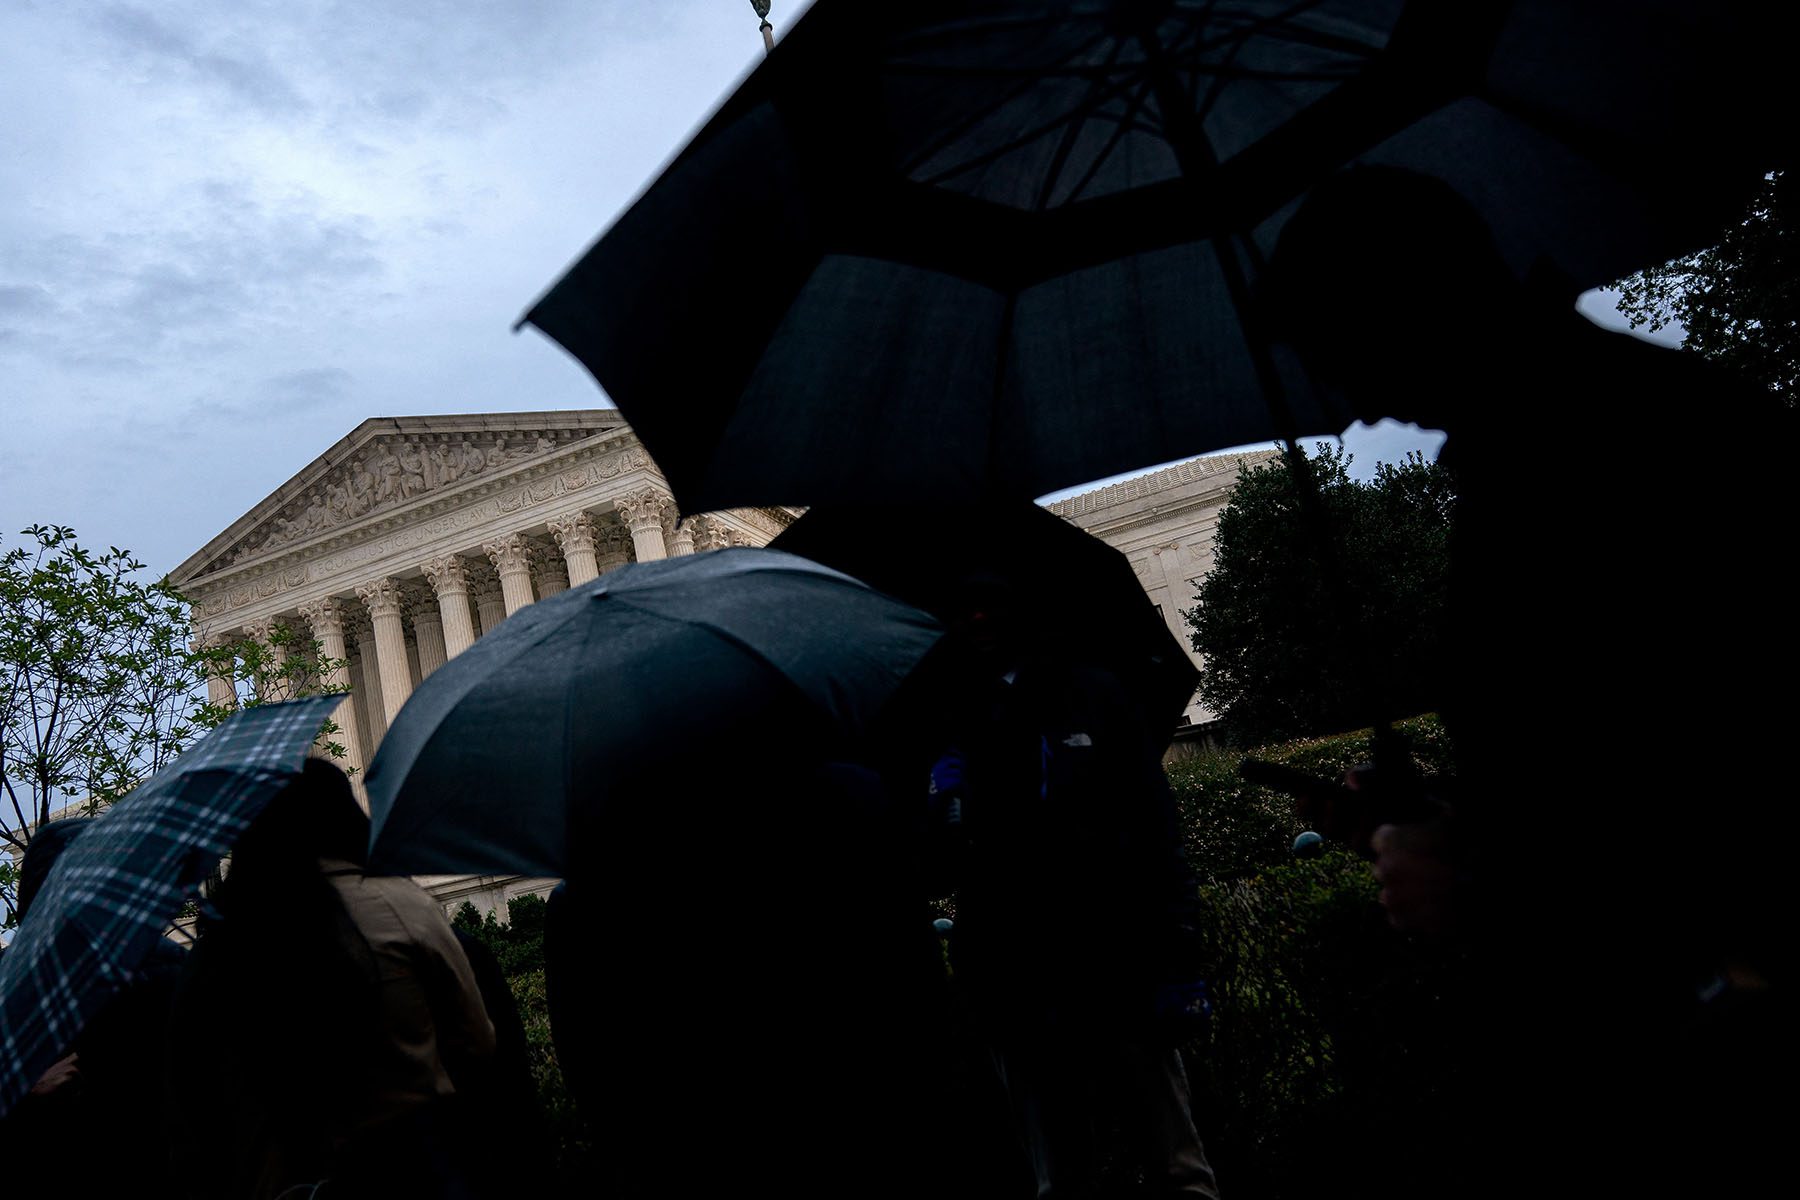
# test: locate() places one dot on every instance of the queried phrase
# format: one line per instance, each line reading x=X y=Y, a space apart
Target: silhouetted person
x=1616 y=624
x=732 y=974
x=1075 y=932
x=110 y=1078
x=497 y=1097
x=321 y=1017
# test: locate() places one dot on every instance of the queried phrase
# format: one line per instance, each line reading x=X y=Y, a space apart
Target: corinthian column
x=682 y=540
x=574 y=534
x=383 y=599
x=270 y=682
x=450 y=580
x=643 y=512
x=612 y=548
x=326 y=617
x=374 y=711
x=511 y=556
x=219 y=687
x=710 y=535
x=549 y=571
x=428 y=629
x=490 y=606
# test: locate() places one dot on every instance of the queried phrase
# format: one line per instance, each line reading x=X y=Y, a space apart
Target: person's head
x=316 y=816
x=1391 y=288
x=983 y=609
x=46 y=846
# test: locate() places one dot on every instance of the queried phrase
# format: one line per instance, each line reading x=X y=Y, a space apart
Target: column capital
x=710 y=535
x=327 y=616
x=644 y=509
x=511 y=554
x=614 y=539
x=552 y=571
x=420 y=599
x=447 y=574
x=575 y=532
x=383 y=598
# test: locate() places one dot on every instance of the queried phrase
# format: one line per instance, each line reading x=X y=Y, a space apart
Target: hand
x=65 y=1072
x=1413 y=865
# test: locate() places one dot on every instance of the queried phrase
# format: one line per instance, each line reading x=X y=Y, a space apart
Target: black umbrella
x=1085 y=600
x=598 y=687
x=935 y=248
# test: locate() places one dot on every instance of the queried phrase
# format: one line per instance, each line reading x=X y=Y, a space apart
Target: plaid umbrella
x=117 y=887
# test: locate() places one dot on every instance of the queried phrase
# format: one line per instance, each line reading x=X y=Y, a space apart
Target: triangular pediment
x=388 y=463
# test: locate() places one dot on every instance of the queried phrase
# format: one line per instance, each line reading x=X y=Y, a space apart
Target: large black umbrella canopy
x=1086 y=602
x=943 y=247
x=503 y=749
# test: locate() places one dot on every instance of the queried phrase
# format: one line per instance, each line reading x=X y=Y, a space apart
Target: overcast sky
x=232 y=229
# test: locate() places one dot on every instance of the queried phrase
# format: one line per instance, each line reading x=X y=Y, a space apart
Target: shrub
x=1232 y=828
x=1329 y=1027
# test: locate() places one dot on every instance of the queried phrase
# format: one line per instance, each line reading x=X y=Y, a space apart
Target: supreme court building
x=413 y=536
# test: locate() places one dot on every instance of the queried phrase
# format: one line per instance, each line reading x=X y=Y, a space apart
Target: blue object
x=1308 y=844
x=947 y=773
x=943 y=925
x=1188 y=1002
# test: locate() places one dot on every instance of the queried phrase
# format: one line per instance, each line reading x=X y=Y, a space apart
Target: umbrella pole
x=1195 y=155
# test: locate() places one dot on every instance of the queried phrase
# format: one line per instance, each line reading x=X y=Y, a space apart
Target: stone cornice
x=432 y=523
x=577 y=429
x=1219 y=469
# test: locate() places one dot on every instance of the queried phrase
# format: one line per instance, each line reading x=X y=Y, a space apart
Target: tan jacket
x=431 y=1007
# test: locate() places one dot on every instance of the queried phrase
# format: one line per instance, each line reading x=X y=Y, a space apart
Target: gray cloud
x=310 y=385
x=25 y=300
x=241 y=76
x=197 y=279
x=232 y=229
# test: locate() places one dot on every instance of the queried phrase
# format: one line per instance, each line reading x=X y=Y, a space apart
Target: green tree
x=1300 y=638
x=99 y=688
x=1739 y=301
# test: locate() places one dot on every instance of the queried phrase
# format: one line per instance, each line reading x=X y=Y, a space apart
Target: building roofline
x=367 y=431
x=1194 y=470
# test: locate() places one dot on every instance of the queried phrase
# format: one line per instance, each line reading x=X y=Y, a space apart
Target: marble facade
x=1164 y=522
x=413 y=536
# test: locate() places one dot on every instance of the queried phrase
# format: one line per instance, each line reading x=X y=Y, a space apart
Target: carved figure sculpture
x=412 y=470
x=387 y=475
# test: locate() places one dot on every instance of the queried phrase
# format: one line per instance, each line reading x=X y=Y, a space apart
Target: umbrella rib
x=960 y=128
x=1022 y=140
x=1066 y=146
x=1219 y=78
x=1126 y=123
x=1302 y=35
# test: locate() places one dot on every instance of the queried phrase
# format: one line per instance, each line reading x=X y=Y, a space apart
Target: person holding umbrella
x=324 y=1018
x=1583 y=615
x=1076 y=933
x=109 y=1079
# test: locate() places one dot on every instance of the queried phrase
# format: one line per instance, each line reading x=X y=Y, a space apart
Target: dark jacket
x=1075 y=898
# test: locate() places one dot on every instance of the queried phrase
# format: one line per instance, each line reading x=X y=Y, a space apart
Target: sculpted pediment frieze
x=388 y=471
